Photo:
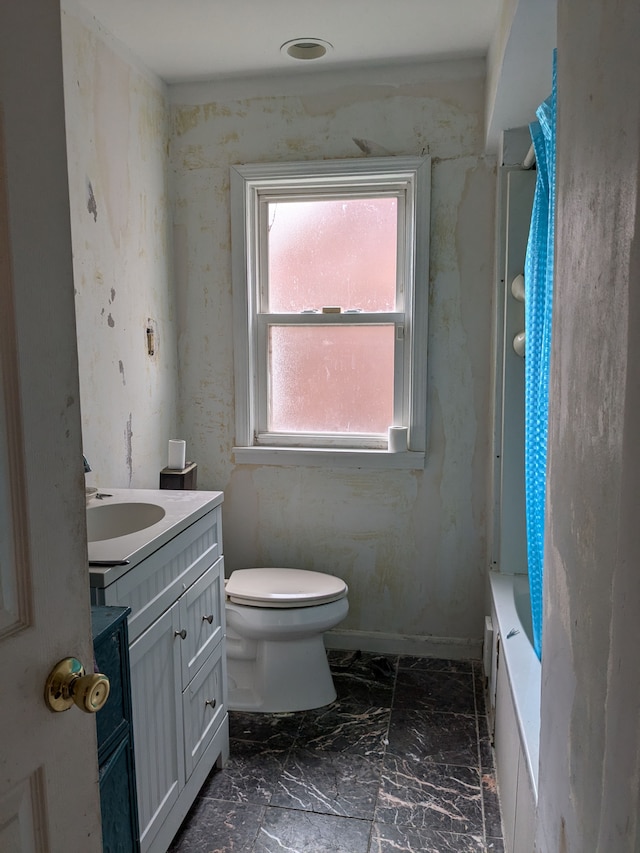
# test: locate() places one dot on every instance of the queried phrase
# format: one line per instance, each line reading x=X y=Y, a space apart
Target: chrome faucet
x=98 y=495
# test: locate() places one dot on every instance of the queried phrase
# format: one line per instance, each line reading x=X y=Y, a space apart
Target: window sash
x=264 y=436
x=261 y=228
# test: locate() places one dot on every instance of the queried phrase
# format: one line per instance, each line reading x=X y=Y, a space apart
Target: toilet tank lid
x=278 y=587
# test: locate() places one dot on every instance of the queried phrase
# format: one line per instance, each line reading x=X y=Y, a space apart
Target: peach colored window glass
x=332 y=379
x=338 y=252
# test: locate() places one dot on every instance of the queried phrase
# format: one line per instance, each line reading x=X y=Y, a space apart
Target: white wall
x=590 y=737
x=411 y=545
x=117 y=137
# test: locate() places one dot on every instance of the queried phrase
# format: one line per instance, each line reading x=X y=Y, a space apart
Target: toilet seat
x=283 y=588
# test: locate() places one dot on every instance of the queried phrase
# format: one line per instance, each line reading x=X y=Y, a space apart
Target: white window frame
x=408 y=178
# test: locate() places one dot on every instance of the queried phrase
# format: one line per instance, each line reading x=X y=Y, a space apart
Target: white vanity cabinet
x=178 y=673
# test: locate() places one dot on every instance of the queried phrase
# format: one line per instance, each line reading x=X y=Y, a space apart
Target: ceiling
x=184 y=40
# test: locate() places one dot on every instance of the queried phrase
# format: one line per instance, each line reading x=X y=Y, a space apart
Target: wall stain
x=371 y=148
x=459 y=95
x=185 y=119
x=113 y=295
x=152 y=121
x=213 y=110
x=128 y=436
x=227 y=138
x=194 y=157
x=563 y=836
x=121 y=369
x=299 y=144
x=92 y=206
x=111 y=321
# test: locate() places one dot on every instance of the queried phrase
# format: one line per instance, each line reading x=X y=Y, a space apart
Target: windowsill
x=334 y=458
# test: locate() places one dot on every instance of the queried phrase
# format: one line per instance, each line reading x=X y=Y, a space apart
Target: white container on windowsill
x=398 y=439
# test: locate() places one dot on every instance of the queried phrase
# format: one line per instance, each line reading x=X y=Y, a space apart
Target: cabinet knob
x=182 y=634
x=68 y=684
x=208 y=619
x=211 y=702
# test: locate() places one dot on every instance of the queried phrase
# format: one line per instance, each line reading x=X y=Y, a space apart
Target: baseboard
x=446 y=648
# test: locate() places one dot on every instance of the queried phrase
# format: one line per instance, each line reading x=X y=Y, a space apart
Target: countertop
x=182 y=508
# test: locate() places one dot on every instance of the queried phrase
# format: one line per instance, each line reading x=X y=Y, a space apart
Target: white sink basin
x=125 y=526
x=109 y=521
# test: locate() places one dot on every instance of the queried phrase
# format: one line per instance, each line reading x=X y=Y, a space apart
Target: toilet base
x=273 y=676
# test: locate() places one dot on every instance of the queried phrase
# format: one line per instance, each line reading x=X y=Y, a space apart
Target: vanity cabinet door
x=201 y=619
x=157 y=720
x=204 y=707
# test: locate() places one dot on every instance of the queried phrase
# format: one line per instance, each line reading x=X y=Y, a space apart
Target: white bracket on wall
x=517 y=288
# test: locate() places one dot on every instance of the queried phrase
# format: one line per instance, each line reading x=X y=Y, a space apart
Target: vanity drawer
x=202 y=618
x=204 y=706
x=154 y=584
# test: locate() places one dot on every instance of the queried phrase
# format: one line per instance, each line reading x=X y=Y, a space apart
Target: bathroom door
x=49 y=796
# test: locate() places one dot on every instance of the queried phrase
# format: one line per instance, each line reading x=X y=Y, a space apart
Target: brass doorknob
x=68 y=684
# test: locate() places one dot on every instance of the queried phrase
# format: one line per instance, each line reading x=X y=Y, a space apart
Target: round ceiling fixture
x=306 y=48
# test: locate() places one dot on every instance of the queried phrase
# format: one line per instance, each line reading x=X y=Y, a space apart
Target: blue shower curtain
x=538 y=277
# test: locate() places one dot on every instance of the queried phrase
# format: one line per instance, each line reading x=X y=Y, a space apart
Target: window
x=330 y=280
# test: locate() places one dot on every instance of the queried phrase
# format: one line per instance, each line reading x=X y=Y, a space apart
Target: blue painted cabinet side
x=118 y=799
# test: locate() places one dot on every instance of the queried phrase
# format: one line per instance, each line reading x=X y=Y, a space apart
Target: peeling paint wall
x=117 y=121
x=411 y=545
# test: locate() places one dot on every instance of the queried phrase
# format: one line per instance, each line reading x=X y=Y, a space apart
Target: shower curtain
x=538 y=304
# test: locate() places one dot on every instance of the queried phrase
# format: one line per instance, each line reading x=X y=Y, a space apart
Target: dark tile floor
x=401 y=761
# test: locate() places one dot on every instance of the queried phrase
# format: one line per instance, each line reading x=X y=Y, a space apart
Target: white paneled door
x=49 y=796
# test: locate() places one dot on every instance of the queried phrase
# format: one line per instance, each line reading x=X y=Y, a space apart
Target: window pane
x=333 y=379
x=341 y=252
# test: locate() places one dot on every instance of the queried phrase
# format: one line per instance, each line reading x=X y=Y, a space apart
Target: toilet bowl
x=276 y=659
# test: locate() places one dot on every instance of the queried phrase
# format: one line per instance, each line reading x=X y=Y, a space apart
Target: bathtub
x=514 y=684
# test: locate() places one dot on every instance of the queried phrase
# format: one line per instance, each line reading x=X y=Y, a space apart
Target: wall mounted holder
x=185 y=478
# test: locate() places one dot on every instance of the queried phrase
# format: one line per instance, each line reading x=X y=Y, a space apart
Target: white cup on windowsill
x=398 y=439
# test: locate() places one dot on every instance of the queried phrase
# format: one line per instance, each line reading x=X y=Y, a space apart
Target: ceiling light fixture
x=306 y=48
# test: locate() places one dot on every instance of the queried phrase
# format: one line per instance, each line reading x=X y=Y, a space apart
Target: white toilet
x=276 y=659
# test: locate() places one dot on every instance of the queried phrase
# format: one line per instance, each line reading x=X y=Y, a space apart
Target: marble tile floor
x=401 y=762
